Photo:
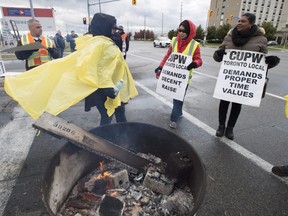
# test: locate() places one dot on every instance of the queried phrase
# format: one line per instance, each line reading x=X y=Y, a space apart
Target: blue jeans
x=120 y=113
x=105 y=119
x=177 y=108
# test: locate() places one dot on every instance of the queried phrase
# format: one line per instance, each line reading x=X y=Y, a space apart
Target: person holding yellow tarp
x=55 y=86
x=282 y=170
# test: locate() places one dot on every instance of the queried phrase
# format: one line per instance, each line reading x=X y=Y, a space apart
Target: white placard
x=174 y=76
x=241 y=77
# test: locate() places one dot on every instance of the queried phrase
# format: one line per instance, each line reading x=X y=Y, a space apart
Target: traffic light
x=133 y=2
x=210 y=13
x=84 y=21
x=231 y=17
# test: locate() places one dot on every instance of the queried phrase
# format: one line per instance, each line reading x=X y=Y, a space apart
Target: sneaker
x=280 y=170
x=181 y=116
x=173 y=125
x=220 y=131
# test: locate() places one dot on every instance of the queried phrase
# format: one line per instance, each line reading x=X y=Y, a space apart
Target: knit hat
x=186 y=26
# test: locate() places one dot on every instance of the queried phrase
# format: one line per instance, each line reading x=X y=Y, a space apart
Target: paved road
x=239 y=178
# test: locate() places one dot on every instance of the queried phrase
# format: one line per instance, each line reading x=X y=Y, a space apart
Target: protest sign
x=241 y=77
x=174 y=76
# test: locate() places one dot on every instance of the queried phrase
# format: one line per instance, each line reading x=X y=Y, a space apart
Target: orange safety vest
x=124 y=36
x=42 y=55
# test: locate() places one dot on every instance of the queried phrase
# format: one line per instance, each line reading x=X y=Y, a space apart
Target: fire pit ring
x=72 y=163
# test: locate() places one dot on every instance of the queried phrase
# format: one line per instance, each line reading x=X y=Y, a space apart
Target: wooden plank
x=32 y=46
x=88 y=141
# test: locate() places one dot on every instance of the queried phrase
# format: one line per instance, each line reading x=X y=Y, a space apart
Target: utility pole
x=32 y=9
x=181 y=12
x=99 y=3
x=162 y=25
x=99 y=6
x=145 y=28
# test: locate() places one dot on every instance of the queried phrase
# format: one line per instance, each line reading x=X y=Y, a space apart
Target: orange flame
x=103 y=173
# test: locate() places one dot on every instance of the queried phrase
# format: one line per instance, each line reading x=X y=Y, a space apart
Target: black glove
x=50 y=50
x=221 y=52
x=53 y=52
x=158 y=72
x=272 y=61
x=158 y=69
x=191 y=65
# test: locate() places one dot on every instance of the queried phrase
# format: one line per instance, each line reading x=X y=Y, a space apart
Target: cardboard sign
x=32 y=46
x=241 y=77
x=174 y=76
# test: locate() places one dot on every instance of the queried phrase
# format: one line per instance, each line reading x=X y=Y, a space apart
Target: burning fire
x=104 y=173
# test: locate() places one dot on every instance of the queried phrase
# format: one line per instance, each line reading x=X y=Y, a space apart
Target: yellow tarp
x=61 y=83
x=286 y=107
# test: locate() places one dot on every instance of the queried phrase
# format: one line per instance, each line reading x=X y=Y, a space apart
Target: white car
x=162 y=42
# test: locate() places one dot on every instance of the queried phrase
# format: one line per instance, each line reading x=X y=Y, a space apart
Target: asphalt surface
x=238 y=173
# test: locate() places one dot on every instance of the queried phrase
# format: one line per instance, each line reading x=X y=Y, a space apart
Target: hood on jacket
x=183 y=43
x=102 y=24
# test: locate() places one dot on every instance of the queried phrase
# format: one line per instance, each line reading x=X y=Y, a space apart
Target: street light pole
x=162 y=25
x=32 y=9
x=88 y=5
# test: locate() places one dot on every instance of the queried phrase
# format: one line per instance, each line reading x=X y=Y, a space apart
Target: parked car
x=162 y=42
x=272 y=43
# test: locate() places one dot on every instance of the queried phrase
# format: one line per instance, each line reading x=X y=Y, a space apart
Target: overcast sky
x=69 y=13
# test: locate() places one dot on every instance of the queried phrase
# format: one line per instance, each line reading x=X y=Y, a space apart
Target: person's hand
x=272 y=61
x=221 y=52
x=191 y=66
x=50 y=50
x=158 y=72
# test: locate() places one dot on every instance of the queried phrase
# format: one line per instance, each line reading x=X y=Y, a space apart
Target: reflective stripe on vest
x=42 y=55
x=189 y=50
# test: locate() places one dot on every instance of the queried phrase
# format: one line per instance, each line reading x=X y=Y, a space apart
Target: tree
x=222 y=31
x=270 y=30
x=149 y=35
x=211 y=33
x=172 y=33
x=199 y=33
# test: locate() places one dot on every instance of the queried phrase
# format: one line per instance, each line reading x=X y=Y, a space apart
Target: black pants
x=234 y=113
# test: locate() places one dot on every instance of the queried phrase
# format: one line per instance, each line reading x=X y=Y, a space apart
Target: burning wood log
x=83 y=139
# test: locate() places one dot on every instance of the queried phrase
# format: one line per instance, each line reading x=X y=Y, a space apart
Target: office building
x=229 y=11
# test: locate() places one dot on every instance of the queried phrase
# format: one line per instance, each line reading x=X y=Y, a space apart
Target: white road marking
x=15 y=141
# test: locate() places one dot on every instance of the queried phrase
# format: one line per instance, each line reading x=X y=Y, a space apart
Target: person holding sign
x=246 y=36
x=183 y=55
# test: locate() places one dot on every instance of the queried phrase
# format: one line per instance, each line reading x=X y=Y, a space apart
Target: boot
x=229 y=133
x=220 y=131
x=280 y=170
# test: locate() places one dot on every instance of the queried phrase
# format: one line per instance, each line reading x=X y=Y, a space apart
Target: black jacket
x=101 y=25
x=24 y=55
